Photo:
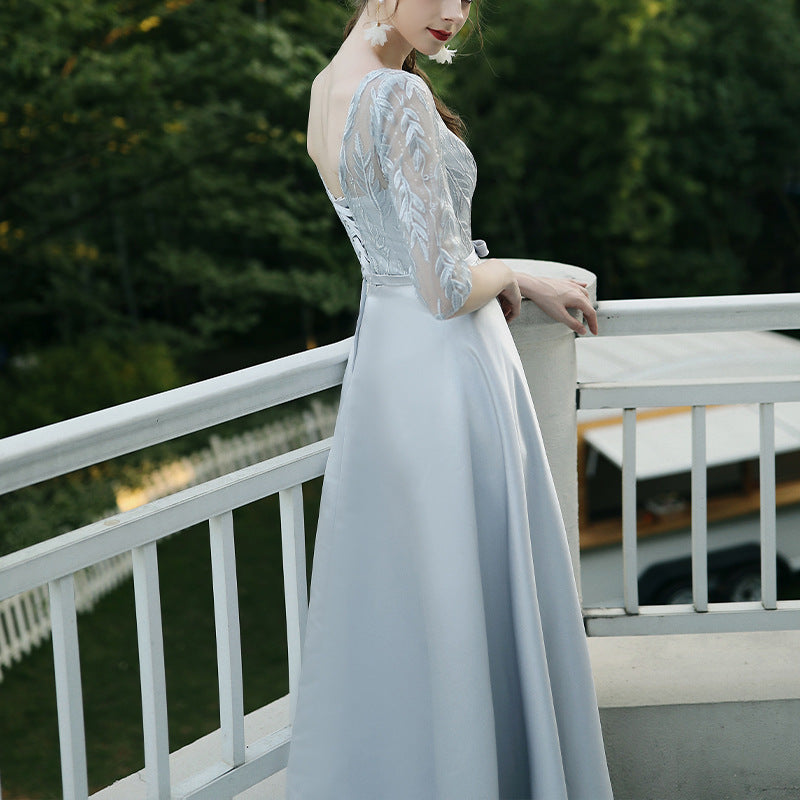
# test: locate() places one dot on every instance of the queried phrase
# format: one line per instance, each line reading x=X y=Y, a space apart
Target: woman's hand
x=510 y=299
x=556 y=295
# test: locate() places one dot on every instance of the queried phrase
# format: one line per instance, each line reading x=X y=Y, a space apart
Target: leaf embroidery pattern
x=407 y=182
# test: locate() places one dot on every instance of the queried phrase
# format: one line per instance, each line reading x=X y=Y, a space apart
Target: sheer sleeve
x=404 y=124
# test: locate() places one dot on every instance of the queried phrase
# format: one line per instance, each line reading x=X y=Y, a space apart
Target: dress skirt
x=445 y=656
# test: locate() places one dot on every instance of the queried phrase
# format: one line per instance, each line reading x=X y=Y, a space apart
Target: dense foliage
x=652 y=141
x=156 y=196
x=156 y=185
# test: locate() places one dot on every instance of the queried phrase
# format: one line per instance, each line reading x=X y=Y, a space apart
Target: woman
x=445 y=656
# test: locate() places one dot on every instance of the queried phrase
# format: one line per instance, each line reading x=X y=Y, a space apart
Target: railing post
x=547 y=350
x=69 y=695
x=699 y=510
x=630 y=570
x=293 y=545
x=229 y=645
x=769 y=573
x=147 y=597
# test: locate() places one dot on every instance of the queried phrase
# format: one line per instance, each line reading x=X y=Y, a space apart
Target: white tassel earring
x=444 y=56
x=375 y=32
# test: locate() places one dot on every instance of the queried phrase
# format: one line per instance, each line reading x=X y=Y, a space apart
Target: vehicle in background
x=663 y=470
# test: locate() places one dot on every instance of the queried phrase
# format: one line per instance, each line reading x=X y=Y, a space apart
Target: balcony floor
x=685 y=717
x=701 y=716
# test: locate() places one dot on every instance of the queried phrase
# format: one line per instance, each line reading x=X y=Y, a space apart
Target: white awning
x=664 y=443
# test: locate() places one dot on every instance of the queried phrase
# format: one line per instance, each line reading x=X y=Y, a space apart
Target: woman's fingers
x=589 y=315
x=510 y=301
x=581 y=301
x=573 y=322
x=556 y=296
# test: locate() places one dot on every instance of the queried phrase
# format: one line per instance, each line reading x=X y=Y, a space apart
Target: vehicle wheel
x=744 y=585
x=674 y=593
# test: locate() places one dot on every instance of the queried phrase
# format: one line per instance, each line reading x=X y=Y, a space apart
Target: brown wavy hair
x=450 y=117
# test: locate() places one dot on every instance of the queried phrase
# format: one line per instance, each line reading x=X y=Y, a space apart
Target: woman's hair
x=450 y=117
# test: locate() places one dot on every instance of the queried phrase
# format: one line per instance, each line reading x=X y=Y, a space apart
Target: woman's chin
x=430 y=50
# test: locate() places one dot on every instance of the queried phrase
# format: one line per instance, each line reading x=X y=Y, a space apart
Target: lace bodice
x=407 y=184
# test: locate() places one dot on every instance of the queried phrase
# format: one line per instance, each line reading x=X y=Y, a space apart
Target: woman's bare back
x=331 y=94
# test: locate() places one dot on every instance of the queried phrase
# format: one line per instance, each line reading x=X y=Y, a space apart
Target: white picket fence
x=25 y=618
x=232 y=453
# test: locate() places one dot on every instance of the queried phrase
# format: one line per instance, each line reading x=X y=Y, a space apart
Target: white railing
x=63 y=447
x=226 y=454
x=25 y=617
x=686 y=315
x=57 y=449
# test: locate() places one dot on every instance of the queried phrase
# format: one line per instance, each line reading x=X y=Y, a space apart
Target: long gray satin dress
x=445 y=656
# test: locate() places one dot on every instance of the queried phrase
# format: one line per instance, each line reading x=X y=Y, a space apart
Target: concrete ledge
x=701 y=716
x=685 y=717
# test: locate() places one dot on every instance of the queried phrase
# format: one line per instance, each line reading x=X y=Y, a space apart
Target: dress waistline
x=479 y=251
x=388 y=280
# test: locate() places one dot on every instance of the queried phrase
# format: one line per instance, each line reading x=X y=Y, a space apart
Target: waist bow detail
x=480 y=248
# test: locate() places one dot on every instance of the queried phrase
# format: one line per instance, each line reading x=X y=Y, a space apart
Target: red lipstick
x=442 y=36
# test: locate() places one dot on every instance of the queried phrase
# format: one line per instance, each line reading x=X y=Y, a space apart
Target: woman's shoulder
x=389 y=93
x=385 y=80
x=391 y=76
x=342 y=85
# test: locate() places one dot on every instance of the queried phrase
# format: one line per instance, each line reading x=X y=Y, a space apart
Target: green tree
x=155 y=180
x=156 y=174
x=648 y=140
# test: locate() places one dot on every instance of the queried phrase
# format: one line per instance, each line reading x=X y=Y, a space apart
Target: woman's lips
x=442 y=36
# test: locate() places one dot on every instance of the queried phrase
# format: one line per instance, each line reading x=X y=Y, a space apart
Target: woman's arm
x=556 y=295
x=404 y=125
x=492 y=279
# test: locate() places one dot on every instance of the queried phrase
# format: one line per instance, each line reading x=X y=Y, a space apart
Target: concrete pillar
x=547 y=350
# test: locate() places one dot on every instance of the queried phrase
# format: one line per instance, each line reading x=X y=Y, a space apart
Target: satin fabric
x=445 y=656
